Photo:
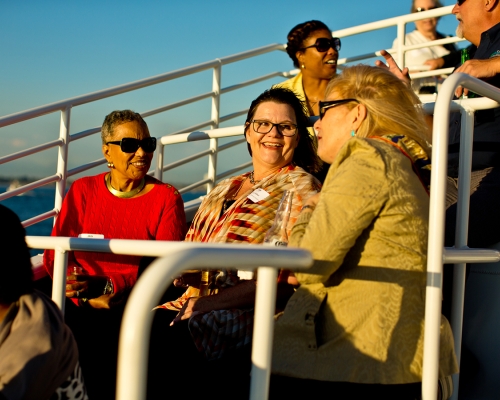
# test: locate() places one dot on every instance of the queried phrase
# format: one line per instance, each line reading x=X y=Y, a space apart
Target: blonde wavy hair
x=392 y=107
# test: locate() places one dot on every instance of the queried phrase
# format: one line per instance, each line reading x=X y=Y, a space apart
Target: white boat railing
x=65 y=108
x=175 y=258
x=460 y=254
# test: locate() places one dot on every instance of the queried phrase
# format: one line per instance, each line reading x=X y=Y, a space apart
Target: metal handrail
x=146 y=294
x=437 y=255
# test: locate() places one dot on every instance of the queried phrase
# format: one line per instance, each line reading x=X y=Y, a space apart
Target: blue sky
x=52 y=50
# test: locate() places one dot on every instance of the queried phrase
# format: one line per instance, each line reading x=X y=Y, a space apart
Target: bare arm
x=435 y=63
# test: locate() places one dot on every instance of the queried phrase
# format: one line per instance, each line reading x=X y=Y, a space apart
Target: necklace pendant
x=124 y=195
x=252 y=181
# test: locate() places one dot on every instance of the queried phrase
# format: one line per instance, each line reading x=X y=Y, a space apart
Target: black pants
x=176 y=365
x=293 y=388
x=96 y=332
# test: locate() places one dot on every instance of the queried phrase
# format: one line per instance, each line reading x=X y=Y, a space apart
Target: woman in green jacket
x=355 y=325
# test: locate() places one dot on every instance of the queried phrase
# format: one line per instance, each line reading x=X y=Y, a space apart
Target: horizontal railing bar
x=386 y=23
x=177 y=104
x=457 y=256
x=86 y=167
x=252 y=53
x=30 y=186
x=127 y=87
x=105 y=93
x=233 y=115
x=39 y=218
x=436 y=72
x=250 y=82
x=361 y=57
x=194 y=185
x=83 y=134
x=32 y=150
x=481 y=103
x=202 y=135
x=233 y=170
x=193 y=128
x=187 y=159
x=438 y=42
x=231 y=144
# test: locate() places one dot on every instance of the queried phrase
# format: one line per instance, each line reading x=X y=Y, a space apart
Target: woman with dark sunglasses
x=124 y=203
x=354 y=327
x=312 y=49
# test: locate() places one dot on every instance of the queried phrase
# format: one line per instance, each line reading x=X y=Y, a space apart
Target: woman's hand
x=393 y=67
x=85 y=286
x=188 y=279
x=312 y=201
x=187 y=311
x=481 y=69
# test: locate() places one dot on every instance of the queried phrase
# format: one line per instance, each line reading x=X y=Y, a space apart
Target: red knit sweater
x=90 y=208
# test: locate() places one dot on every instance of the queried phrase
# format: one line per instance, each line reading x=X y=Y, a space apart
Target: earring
x=353 y=133
x=111 y=165
x=303 y=66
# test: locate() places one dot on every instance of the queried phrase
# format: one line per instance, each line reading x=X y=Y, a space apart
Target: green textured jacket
x=358 y=315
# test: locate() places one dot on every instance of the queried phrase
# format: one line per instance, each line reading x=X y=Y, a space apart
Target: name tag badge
x=91 y=236
x=258 y=195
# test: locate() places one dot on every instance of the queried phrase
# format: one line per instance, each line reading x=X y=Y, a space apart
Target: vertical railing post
x=461 y=235
x=400 y=43
x=159 y=161
x=214 y=143
x=59 y=279
x=435 y=249
x=62 y=159
x=263 y=337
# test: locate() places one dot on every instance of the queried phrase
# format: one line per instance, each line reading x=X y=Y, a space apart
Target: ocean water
x=39 y=201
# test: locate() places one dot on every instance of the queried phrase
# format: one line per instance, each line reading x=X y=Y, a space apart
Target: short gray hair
x=119 y=117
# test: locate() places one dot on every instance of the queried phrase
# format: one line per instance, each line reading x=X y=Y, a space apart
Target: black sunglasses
x=325 y=105
x=131 y=145
x=460 y=2
x=324 y=44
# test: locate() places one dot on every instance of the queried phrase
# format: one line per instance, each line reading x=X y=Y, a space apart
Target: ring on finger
x=77 y=293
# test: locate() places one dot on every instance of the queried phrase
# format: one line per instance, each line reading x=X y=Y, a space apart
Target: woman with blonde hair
x=355 y=323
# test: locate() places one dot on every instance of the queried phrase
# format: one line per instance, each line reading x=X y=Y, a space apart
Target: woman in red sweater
x=124 y=203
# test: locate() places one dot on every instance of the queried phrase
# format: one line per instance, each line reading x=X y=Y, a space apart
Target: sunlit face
x=272 y=150
x=428 y=25
x=128 y=166
x=334 y=130
x=316 y=64
x=471 y=20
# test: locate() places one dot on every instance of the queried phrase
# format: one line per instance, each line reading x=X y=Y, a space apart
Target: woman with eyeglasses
x=124 y=203
x=355 y=325
x=240 y=210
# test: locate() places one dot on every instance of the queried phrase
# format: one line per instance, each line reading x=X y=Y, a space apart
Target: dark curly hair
x=304 y=155
x=16 y=275
x=298 y=34
x=119 y=117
